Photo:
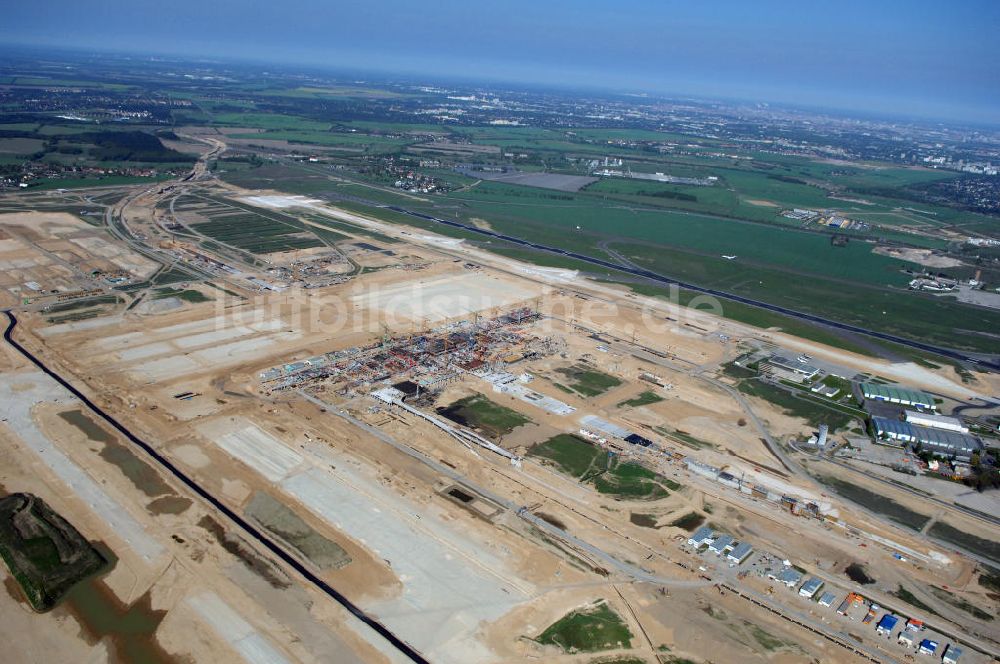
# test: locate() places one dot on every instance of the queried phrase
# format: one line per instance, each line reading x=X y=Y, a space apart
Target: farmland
x=850 y=283
x=255 y=234
x=247 y=230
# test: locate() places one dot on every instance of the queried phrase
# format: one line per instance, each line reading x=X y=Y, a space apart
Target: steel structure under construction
x=426 y=359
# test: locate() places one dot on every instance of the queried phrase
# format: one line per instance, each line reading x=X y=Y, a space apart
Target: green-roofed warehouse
x=900 y=395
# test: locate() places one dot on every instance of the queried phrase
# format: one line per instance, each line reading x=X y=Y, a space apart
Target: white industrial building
x=810 y=587
x=721 y=544
x=702 y=536
x=740 y=553
x=936 y=421
x=940 y=441
x=897 y=395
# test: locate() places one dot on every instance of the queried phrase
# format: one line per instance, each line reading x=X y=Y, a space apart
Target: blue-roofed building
x=927 y=647
x=939 y=441
x=886 y=624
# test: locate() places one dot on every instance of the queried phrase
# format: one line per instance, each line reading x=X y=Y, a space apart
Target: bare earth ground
x=460 y=586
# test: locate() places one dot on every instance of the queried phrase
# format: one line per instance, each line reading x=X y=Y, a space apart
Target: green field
x=911 y=599
x=347 y=141
x=187 y=295
x=479 y=412
x=808 y=408
x=989 y=578
x=642 y=399
x=572 y=455
x=878 y=503
x=591 y=465
x=963 y=605
x=268 y=121
x=629 y=480
x=989 y=548
x=590 y=629
x=850 y=283
x=588 y=382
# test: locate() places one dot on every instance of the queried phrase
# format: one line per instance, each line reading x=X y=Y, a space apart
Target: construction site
x=398 y=446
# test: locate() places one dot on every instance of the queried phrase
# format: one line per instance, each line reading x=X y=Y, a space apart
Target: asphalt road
x=986 y=363
x=262 y=539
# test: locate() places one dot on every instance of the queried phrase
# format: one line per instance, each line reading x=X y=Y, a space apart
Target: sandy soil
x=924 y=257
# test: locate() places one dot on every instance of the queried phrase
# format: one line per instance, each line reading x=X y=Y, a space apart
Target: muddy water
x=143 y=476
x=130 y=631
x=169 y=505
x=88 y=426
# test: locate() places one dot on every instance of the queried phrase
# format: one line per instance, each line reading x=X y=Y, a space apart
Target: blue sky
x=918 y=57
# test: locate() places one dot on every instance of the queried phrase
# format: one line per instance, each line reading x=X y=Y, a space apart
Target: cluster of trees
x=133 y=146
x=985 y=475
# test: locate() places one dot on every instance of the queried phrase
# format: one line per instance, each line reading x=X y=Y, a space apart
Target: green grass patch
x=984 y=547
x=572 y=455
x=767 y=641
x=187 y=295
x=590 y=464
x=962 y=605
x=83 y=303
x=588 y=382
x=809 y=409
x=479 y=412
x=171 y=276
x=733 y=371
x=684 y=438
x=74 y=316
x=908 y=597
x=877 y=503
x=989 y=578
x=629 y=480
x=257 y=233
x=642 y=399
x=588 y=630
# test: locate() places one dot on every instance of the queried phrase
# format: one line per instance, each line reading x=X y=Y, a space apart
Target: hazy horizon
x=907 y=59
